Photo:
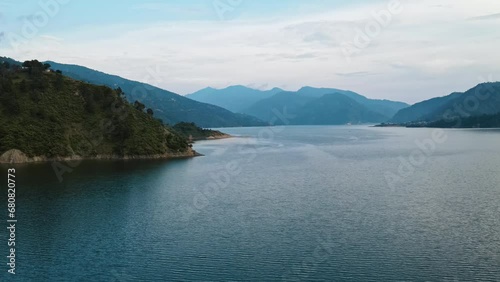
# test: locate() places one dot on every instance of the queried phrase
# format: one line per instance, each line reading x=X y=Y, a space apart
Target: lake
x=323 y=203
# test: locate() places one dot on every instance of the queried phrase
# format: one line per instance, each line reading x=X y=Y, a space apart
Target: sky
x=405 y=50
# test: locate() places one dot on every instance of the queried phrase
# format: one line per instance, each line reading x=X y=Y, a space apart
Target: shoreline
x=17 y=157
x=217 y=137
x=438 y=127
x=212 y=137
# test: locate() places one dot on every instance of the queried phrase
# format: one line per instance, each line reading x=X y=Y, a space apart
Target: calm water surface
x=276 y=204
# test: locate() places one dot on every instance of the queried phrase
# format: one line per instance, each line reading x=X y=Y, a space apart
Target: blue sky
x=135 y=11
x=424 y=48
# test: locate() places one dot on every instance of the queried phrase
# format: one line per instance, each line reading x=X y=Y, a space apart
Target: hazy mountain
x=234 y=98
x=293 y=102
x=9 y=61
x=422 y=109
x=336 y=109
x=385 y=107
x=274 y=108
x=484 y=99
x=168 y=106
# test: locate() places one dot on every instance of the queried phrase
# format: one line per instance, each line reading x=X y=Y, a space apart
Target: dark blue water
x=280 y=204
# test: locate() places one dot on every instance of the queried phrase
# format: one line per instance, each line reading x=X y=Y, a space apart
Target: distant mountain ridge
x=257 y=102
x=306 y=105
x=483 y=99
x=234 y=98
x=335 y=109
x=385 y=107
x=168 y=106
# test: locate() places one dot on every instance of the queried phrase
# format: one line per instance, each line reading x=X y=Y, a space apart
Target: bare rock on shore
x=14 y=156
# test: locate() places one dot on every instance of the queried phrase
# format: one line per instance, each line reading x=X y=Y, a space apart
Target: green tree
x=11 y=103
x=119 y=91
x=59 y=80
x=5 y=65
x=139 y=106
x=23 y=86
x=34 y=67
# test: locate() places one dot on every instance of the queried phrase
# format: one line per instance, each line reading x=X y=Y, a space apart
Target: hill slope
x=335 y=109
x=46 y=115
x=384 y=107
x=274 y=109
x=168 y=106
x=484 y=99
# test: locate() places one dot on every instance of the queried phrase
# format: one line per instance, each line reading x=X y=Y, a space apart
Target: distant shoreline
x=215 y=137
x=434 y=126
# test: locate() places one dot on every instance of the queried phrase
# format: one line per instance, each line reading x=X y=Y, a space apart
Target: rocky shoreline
x=17 y=157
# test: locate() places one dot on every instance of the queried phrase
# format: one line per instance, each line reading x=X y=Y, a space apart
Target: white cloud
x=430 y=49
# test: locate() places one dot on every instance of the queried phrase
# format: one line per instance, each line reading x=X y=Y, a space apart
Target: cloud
x=2 y=36
x=261 y=86
x=289 y=56
x=173 y=8
x=356 y=74
x=51 y=38
x=428 y=50
x=486 y=17
x=330 y=33
x=319 y=36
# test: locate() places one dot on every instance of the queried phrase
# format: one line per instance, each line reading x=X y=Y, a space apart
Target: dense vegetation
x=170 y=107
x=484 y=99
x=44 y=113
x=193 y=133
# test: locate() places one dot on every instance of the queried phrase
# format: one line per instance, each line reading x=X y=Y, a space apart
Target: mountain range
x=235 y=98
x=214 y=108
x=308 y=105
